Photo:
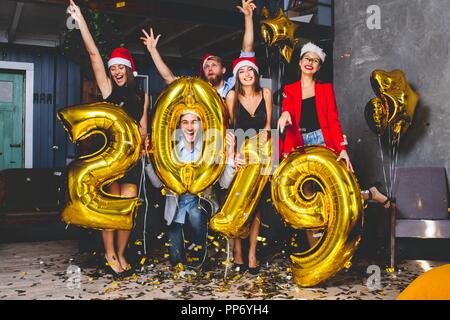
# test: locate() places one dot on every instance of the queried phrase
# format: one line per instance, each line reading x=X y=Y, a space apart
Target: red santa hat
x=122 y=56
x=204 y=61
x=244 y=62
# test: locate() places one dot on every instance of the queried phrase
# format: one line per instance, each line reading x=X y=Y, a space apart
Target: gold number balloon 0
x=247 y=186
x=336 y=208
x=89 y=205
x=198 y=96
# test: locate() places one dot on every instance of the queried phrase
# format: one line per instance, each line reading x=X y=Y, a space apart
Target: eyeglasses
x=312 y=60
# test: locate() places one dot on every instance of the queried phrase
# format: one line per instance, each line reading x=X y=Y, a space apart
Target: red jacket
x=326 y=112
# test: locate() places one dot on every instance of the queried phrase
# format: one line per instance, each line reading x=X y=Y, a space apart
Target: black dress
x=132 y=101
x=256 y=121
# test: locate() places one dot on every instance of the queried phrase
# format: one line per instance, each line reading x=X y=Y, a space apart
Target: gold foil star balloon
x=279 y=31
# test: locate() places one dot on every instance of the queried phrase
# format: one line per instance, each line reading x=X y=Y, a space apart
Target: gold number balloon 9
x=89 y=205
x=337 y=209
x=247 y=186
x=196 y=95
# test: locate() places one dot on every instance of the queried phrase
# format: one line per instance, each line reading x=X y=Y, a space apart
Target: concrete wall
x=414 y=37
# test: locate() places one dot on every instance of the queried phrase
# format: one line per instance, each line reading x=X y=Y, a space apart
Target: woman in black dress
x=250 y=108
x=117 y=86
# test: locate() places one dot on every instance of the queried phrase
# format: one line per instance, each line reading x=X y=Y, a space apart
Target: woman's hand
x=284 y=120
x=149 y=40
x=146 y=147
x=247 y=7
x=230 y=140
x=75 y=11
x=344 y=156
x=239 y=161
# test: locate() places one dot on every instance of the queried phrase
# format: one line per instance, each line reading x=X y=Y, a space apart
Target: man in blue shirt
x=211 y=67
x=186 y=208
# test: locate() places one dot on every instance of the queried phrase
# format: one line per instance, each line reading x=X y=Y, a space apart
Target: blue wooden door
x=11 y=120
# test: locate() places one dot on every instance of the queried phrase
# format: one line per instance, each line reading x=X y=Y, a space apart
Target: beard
x=215 y=79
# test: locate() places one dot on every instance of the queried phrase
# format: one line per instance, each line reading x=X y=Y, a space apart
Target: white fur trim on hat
x=123 y=61
x=206 y=60
x=311 y=47
x=244 y=63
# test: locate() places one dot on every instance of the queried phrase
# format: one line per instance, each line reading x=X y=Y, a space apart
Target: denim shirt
x=173 y=201
x=187 y=201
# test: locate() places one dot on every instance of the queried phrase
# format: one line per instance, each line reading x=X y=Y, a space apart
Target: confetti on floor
x=55 y=270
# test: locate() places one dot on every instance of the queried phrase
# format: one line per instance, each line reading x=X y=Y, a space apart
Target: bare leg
x=129 y=190
x=377 y=196
x=108 y=238
x=308 y=190
x=253 y=240
x=237 y=251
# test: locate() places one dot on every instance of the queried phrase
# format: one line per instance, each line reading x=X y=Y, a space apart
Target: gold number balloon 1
x=337 y=209
x=89 y=205
x=246 y=189
x=184 y=94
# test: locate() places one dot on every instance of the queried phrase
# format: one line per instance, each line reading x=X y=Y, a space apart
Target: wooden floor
x=48 y=270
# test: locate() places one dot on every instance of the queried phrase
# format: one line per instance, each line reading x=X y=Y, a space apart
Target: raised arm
x=267 y=93
x=150 y=42
x=103 y=81
x=247 y=9
x=144 y=120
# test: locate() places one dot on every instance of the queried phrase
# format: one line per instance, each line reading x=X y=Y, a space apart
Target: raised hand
x=149 y=40
x=75 y=11
x=247 y=7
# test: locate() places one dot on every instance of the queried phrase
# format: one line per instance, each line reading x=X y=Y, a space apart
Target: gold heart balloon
x=279 y=31
x=398 y=97
x=376 y=114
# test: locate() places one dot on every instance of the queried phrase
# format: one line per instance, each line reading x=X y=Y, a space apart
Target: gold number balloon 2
x=246 y=189
x=89 y=205
x=188 y=94
x=336 y=208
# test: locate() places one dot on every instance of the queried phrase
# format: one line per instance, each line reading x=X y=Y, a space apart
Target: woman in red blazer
x=310 y=116
x=309 y=109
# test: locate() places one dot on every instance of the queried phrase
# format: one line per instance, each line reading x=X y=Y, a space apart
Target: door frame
x=28 y=114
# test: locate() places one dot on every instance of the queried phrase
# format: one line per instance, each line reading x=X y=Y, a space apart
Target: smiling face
x=213 y=71
x=118 y=73
x=190 y=125
x=310 y=63
x=247 y=76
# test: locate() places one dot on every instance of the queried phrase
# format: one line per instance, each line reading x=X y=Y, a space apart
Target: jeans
x=315 y=137
x=198 y=222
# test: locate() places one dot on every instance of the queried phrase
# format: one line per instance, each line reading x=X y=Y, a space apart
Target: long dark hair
x=239 y=90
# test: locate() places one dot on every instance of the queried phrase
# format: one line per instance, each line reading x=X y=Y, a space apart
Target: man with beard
x=211 y=67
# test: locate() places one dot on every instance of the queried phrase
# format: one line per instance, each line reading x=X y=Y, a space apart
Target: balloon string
x=382 y=163
x=389 y=189
x=142 y=186
x=396 y=159
x=267 y=59
x=227 y=261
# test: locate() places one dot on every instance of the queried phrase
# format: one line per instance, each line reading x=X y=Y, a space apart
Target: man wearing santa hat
x=211 y=66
